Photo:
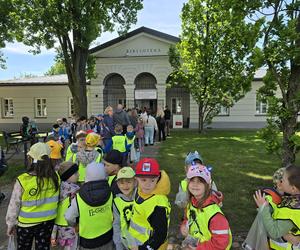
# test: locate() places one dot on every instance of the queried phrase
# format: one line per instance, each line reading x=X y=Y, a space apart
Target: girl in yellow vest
x=205 y=226
x=122 y=207
x=151 y=209
x=76 y=146
x=285 y=219
x=62 y=234
x=33 y=205
x=92 y=209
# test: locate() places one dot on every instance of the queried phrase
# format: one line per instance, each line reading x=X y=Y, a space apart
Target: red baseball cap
x=147 y=167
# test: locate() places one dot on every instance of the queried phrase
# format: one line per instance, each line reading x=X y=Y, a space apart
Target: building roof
x=133 y=33
x=37 y=81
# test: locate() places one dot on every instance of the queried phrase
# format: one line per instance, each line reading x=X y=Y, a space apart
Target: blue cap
x=192 y=156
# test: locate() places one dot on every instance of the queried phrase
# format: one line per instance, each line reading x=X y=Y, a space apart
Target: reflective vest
x=36 y=206
x=111 y=179
x=62 y=208
x=94 y=221
x=69 y=154
x=130 y=141
x=118 y=143
x=125 y=210
x=140 y=229
x=285 y=213
x=184 y=185
x=82 y=168
x=199 y=223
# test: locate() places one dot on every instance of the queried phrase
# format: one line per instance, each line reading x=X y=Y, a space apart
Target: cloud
x=20 y=48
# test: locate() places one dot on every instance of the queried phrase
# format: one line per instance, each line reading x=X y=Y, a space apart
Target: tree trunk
x=288 y=153
x=201 y=117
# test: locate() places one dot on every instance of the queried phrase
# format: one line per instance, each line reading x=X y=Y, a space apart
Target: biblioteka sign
x=143 y=52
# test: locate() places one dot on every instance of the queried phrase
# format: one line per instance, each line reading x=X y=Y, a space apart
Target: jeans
x=149 y=133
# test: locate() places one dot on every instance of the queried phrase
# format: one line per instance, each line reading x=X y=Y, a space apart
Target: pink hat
x=199 y=170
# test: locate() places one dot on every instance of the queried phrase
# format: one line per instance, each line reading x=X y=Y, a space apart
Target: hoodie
x=217 y=224
x=159 y=218
x=94 y=193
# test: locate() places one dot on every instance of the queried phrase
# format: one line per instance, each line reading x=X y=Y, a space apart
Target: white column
x=161 y=95
x=194 y=113
x=95 y=99
x=129 y=88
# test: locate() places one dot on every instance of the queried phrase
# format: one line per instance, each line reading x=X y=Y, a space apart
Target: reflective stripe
x=220 y=231
x=39 y=202
x=139 y=228
x=38 y=214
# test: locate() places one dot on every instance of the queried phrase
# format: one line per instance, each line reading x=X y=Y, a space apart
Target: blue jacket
x=107 y=127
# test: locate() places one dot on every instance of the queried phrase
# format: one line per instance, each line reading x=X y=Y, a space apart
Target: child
x=139 y=130
x=122 y=207
x=112 y=164
x=151 y=209
x=88 y=155
x=205 y=225
x=285 y=217
x=55 y=154
x=92 y=208
x=34 y=200
x=119 y=142
x=76 y=146
x=62 y=234
x=181 y=197
x=131 y=140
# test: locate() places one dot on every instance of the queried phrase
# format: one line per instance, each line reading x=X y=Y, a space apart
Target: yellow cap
x=125 y=173
x=92 y=139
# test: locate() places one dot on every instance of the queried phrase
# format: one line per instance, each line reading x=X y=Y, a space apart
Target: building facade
x=132 y=70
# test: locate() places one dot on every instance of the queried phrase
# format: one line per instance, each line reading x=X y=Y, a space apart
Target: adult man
x=121 y=117
x=167 y=119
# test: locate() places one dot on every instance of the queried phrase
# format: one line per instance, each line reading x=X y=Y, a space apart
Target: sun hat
x=199 y=170
x=38 y=150
x=125 y=173
x=147 y=167
x=92 y=140
x=278 y=176
x=95 y=172
x=192 y=156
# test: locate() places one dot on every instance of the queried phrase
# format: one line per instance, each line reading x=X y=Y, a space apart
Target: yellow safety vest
x=130 y=141
x=94 y=221
x=140 y=229
x=62 y=208
x=111 y=179
x=184 y=185
x=199 y=223
x=70 y=154
x=37 y=206
x=118 y=143
x=285 y=213
x=82 y=168
x=125 y=210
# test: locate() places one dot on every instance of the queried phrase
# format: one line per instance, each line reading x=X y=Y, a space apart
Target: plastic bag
x=11 y=243
x=257 y=236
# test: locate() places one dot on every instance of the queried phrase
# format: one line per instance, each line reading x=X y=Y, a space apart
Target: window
x=8 y=107
x=176 y=106
x=261 y=107
x=71 y=106
x=223 y=110
x=40 y=107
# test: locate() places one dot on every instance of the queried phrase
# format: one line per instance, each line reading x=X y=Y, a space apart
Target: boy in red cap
x=151 y=209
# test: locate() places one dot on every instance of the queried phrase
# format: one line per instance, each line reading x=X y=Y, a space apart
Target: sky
x=161 y=15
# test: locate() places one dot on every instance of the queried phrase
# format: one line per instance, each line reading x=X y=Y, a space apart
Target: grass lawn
x=240 y=166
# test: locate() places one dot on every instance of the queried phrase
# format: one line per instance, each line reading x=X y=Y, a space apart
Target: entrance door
x=149 y=104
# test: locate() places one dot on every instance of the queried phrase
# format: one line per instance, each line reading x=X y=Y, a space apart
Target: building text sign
x=148 y=94
x=143 y=51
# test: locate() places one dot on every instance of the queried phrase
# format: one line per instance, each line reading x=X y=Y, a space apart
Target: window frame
x=227 y=113
x=43 y=109
x=4 y=113
x=259 y=111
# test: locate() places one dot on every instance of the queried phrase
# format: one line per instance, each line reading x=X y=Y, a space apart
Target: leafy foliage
x=215 y=58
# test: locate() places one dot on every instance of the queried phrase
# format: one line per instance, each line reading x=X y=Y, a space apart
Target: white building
x=132 y=69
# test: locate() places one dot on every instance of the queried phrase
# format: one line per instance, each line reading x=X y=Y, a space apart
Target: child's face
x=196 y=187
x=287 y=187
x=74 y=178
x=147 y=184
x=126 y=186
x=279 y=187
x=81 y=142
x=129 y=129
x=111 y=169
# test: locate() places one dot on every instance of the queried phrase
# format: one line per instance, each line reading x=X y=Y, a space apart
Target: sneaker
x=2 y=197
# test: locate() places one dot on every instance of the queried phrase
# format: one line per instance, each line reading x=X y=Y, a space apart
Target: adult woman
x=150 y=125
x=107 y=125
x=161 y=123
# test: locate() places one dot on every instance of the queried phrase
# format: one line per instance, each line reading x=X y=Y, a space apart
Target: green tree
x=75 y=24
x=57 y=69
x=281 y=89
x=7 y=26
x=214 y=59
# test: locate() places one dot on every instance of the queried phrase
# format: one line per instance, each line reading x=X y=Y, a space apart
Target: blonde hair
x=160 y=113
x=118 y=128
x=107 y=109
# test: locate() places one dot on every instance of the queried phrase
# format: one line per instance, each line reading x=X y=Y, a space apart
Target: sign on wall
x=148 y=94
x=143 y=51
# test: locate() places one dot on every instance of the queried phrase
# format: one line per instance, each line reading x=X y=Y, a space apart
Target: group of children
x=98 y=203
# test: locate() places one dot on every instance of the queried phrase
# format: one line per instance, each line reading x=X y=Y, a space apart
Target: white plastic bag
x=11 y=243
x=257 y=236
